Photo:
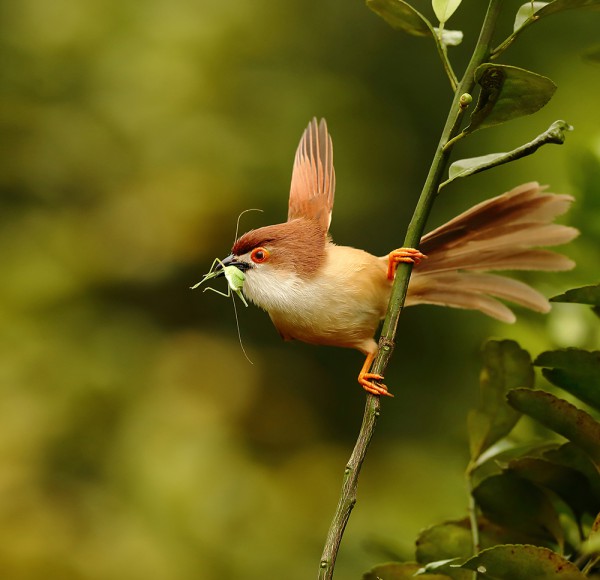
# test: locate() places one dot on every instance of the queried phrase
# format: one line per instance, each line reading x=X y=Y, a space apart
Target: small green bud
x=465 y=100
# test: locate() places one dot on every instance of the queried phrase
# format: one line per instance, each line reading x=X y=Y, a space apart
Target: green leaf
x=549 y=8
x=491 y=534
x=525 y=15
x=573 y=457
x=445 y=8
x=444 y=541
x=574 y=370
x=526 y=11
x=402 y=16
x=596 y=526
x=451 y=540
x=398 y=571
x=522 y=562
x=592 y=544
x=570 y=485
x=448 y=568
x=519 y=505
x=560 y=416
x=450 y=37
x=561 y=5
x=506 y=366
x=583 y=295
x=465 y=167
x=492 y=461
x=508 y=92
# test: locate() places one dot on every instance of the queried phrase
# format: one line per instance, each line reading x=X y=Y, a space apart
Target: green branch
x=399 y=291
x=465 y=167
x=510 y=39
x=475 y=539
x=349 y=487
x=432 y=182
x=443 y=53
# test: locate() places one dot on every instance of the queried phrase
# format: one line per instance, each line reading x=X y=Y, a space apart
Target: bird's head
x=276 y=258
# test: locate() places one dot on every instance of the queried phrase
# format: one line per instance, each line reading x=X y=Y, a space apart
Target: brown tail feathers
x=502 y=233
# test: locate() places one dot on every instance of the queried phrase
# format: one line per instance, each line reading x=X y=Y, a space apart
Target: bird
x=326 y=294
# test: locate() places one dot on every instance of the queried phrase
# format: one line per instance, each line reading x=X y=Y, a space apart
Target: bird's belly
x=341 y=320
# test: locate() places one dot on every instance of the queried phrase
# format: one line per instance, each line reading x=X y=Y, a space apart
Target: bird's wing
x=313 y=177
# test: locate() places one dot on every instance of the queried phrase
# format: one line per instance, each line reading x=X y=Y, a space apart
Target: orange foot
x=406 y=255
x=366 y=379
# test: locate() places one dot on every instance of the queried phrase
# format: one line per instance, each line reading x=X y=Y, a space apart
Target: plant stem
x=443 y=54
x=476 y=546
x=399 y=291
x=432 y=182
x=508 y=41
x=473 y=514
x=590 y=564
x=349 y=487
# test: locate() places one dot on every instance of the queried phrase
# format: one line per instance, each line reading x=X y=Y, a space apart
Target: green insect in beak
x=234 y=276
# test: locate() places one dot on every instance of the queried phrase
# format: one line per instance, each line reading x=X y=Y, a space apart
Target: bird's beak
x=231 y=261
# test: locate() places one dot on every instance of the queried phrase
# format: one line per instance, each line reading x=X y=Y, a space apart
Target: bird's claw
x=366 y=381
x=403 y=255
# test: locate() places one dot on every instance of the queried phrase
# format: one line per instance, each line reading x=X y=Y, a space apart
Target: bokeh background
x=136 y=441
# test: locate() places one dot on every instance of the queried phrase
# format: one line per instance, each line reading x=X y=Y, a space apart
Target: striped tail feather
x=502 y=233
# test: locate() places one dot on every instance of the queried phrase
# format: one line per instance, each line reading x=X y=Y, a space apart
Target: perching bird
x=321 y=293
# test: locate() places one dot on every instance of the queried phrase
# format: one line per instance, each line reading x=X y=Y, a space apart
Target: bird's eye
x=259 y=255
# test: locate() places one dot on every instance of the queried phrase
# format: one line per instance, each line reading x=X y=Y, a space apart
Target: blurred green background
x=136 y=441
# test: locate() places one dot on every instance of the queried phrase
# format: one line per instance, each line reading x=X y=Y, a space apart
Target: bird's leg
x=406 y=255
x=365 y=378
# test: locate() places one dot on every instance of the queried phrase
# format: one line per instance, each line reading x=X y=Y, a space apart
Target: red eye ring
x=259 y=255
